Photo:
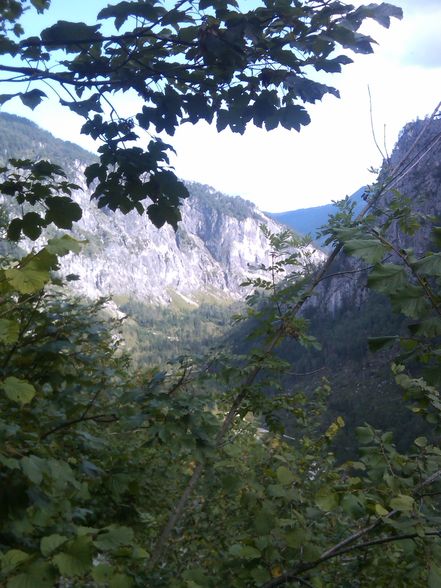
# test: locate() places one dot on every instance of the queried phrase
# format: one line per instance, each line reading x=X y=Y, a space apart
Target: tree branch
x=98 y=418
x=294 y=575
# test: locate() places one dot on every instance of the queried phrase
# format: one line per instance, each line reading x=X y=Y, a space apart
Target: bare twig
x=98 y=418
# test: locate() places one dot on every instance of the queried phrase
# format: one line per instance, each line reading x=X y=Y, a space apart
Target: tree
x=198 y=60
x=98 y=468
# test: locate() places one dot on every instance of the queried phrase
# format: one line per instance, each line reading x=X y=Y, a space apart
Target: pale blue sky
x=283 y=170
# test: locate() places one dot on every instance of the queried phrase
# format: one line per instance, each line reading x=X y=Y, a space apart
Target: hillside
x=217 y=246
x=307 y=221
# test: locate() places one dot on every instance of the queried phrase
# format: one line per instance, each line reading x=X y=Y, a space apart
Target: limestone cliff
x=218 y=244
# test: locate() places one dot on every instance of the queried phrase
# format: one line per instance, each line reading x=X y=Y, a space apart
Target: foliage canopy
x=196 y=60
x=98 y=463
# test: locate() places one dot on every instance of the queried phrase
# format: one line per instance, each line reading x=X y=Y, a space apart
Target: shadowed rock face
x=416 y=163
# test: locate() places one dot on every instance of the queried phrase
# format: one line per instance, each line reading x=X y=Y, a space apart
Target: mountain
x=344 y=313
x=307 y=221
x=218 y=244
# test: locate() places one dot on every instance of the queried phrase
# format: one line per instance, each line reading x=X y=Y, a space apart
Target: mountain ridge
x=218 y=244
x=307 y=221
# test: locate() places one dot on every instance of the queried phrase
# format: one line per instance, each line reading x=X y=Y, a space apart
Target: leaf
x=196 y=575
x=296 y=538
x=77 y=559
x=370 y=250
x=27 y=279
x=387 y=278
x=63 y=211
x=102 y=573
x=32 y=98
x=18 y=390
x=39 y=575
x=114 y=538
x=284 y=476
x=429 y=265
x=63 y=32
x=33 y=468
x=121 y=581
x=352 y=505
x=12 y=559
x=263 y=522
x=421 y=442
x=30 y=225
x=380 y=510
x=63 y=245
x=40 y=5
x=402 y=503
x=51 y=543
x=364 y=435
x=326 y=499
x=434 y=580
x=9 y=330
x=244 y=551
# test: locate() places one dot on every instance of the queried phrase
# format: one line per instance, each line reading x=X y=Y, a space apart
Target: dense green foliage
x=21 y=137
x=118 y=477
x=190 y=62
x=97 y=457
x=155 y=335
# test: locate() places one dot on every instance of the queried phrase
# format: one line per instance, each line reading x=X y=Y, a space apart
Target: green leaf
x=284 y=476
x=421 y=442
x=364 y=435
x=63 y=245
x=114 y=538
x=9 y=330
x=32 y=98
x=40 y=5
x=18 y=390
x=6 y=97
x=12 y=559
x=388 y=278
x=38 y=575
x=51 y=543
x=67 y=32
x=76 y=560
x=263 y=522
x=102 y=573
x=121 y=581
x=27 y=279
x=380 y=510
x=402 y=503
x=326 y=499
x=296 y=538
x=434 y=580
x=370 y=250
x=33 y=468
x=429 y=265
x=197 y=576
x=244 y=552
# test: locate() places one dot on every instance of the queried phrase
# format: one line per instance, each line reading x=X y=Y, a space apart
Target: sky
x=330 y=158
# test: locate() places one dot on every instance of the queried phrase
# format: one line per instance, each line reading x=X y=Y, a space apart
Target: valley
x=193 y=394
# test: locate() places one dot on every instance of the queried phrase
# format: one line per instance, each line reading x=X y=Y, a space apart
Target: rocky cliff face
x=416 y=164
x=218 y=245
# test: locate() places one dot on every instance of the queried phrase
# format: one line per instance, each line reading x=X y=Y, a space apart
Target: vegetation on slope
x=162 y=478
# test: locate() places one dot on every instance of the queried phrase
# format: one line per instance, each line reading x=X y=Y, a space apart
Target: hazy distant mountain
x=308 y=220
